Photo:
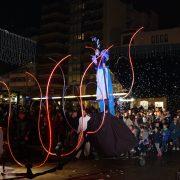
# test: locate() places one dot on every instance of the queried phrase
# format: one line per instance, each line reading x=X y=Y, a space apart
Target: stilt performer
x=104 y=91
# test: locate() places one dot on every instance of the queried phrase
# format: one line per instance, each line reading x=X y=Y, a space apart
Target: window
x=80 y=36
x=159 y=104
x=144 y=104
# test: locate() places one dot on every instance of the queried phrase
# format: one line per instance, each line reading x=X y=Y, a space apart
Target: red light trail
x=130 y=60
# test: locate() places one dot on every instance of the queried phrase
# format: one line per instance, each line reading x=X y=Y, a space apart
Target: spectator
x=157 y=137
x=85 y=146
x=165 y=138
x=128 y=121
x=175 y=133
x=74 y=120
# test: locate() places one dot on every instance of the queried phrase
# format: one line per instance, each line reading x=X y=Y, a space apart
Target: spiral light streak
x=64 y=91
x=39 y=115
x=84 y=74
x=48 y=113
x=89 y=47
x=89 y=132
x=82 y=133
x=47 y=104
x=48 y=150
x=63 y=102
x=130 y=60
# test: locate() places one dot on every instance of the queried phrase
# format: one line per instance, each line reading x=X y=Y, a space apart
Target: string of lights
x=15 y=49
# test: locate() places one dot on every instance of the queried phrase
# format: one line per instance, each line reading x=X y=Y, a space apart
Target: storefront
x=160 y=102
x=16 y=98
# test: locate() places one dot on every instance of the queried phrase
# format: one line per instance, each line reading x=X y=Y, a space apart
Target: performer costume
x=104 y=91
x=113 y=138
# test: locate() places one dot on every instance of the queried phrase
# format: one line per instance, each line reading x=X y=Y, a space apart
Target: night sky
x=168 y=10
x=17 y=16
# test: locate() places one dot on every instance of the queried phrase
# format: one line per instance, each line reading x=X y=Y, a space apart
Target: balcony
x=93 y=14
x=48 y=28
x=52 y=37
x=93 y=4
x=93 y=25
x=55 y=16
x=52 y=7
x=22 y=84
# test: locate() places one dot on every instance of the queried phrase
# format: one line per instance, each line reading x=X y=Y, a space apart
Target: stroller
x=144 y=147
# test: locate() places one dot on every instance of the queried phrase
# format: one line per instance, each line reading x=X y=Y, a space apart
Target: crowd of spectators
x=154 y=128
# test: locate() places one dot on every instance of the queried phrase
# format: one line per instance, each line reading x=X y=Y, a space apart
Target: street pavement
x=165 y=168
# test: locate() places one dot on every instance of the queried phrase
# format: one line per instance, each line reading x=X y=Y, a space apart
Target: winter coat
x=165 y=135
x=175 y=130
x=157 y=137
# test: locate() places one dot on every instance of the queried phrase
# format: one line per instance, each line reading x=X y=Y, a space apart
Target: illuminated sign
x=165 y=36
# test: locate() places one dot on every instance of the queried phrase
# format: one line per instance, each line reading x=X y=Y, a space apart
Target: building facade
x=17 y=55
x=106 y=19
x=156 y=63
x=53 y=41
x=67 y=27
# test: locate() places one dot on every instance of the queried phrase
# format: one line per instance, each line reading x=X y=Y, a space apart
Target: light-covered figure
x=104 y=91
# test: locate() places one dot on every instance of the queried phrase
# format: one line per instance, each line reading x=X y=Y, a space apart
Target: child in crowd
x=175 y=133
x=157 y=138
x=165 y=137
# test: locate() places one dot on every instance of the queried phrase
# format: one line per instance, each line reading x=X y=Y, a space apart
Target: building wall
x=115 y=16
x=66 y=28
x=19 y=81
x=106 y=19
x=120 y=17
x=53 y=42
x=164 y=36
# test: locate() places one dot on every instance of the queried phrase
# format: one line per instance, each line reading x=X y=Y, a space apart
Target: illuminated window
x=80 y=36
x=159 y=104
x=144 y=104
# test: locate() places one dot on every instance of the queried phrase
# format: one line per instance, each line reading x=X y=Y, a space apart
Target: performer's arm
x=105 y=57
x=94 y=59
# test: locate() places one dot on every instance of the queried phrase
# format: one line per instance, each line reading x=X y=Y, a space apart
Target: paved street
x=121 y=169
